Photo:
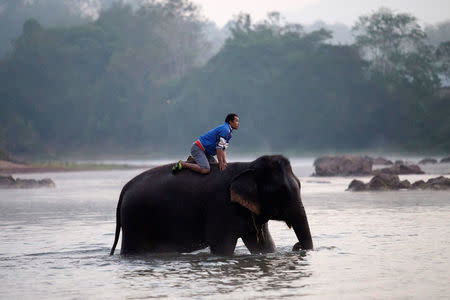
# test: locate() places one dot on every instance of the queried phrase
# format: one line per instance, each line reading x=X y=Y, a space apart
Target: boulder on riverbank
x=8 y=182
x=346 y=165
x=384 y=182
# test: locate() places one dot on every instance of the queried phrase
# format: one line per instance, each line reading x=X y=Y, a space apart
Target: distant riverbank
x=8 y=167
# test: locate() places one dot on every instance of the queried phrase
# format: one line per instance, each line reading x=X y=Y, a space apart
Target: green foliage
x=294 y=91
x=13 y=13
x=443 y=59
x=98 y=83
x=290 y=88
x=134 y=78
x=395 y=46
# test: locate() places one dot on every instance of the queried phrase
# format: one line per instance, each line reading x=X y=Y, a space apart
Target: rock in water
x=343 y=165
x=384 y=182
x=428 y=161
x=382 y=161
x=9 y=182
x=445 y=159
x=405 y=184
x=6 y=180
x=356 y=185
x=438 y=183
x=400 y=169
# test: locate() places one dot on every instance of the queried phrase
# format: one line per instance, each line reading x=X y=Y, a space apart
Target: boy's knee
x=205 y=171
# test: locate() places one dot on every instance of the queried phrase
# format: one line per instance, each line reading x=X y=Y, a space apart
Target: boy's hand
x=222 y=165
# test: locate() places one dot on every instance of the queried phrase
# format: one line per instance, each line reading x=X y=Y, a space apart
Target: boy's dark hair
x=230 y=117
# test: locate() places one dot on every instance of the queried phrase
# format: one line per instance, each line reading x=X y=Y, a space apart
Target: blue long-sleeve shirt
x=212 y=139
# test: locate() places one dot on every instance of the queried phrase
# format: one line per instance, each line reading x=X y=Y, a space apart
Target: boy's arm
x=222 y=159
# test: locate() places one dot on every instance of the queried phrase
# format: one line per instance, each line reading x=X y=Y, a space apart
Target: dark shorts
x=201 y=158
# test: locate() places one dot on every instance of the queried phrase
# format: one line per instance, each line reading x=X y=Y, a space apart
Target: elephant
x=160 y=211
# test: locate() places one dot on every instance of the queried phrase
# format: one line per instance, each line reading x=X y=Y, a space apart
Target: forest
x=145 y=79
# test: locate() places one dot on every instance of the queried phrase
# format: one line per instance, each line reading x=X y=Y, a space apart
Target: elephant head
x=271 y=191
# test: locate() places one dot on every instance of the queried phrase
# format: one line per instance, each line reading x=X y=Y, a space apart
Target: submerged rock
x=439 y=183
x=445 y=159
x=405 y=184
x=6 y=180
x=343 y=165
x=428 y=161
x=382 y=182
x=356 y=185
x=400 y=169
x=11 y=183
x=382 y=161
x=420 y=184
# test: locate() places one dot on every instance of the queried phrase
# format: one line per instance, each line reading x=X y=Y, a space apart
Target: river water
x=54 y=243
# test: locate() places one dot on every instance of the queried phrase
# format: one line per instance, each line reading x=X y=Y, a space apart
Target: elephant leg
x=259 y=243
x=224 y=247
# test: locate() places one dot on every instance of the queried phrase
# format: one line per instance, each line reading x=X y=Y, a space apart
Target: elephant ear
x=243 y=190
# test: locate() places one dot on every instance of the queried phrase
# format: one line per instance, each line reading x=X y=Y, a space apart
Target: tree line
x=143 y=79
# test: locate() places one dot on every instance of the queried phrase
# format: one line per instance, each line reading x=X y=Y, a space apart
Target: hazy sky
x=330 y=11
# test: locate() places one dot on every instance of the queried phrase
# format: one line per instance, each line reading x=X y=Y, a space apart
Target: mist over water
x=55 y=244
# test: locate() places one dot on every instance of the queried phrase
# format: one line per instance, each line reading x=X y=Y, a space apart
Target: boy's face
x=235 y=123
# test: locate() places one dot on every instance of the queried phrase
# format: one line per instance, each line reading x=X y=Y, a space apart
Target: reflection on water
x=203 y=274
x=394 y=245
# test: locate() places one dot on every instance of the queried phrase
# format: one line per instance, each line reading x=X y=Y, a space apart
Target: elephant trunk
x=297 y=218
